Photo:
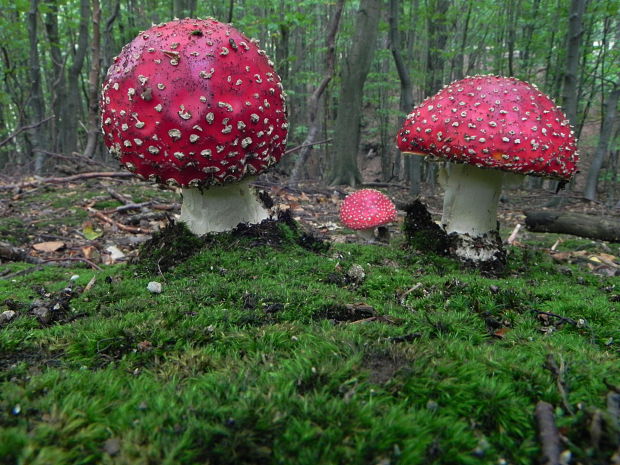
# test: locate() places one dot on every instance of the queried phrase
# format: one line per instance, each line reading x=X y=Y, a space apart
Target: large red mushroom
x=194 y=103
x=487 y=126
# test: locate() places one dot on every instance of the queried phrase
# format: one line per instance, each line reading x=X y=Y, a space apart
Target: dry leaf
x=51 y=246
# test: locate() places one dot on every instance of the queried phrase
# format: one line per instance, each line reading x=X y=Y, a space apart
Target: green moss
x=13 y=231
x=239 y=361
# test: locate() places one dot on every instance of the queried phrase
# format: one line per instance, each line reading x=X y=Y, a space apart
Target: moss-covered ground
x=258 y=352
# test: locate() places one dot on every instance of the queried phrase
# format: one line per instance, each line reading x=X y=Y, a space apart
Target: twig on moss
x=121 y=226
x=548 y=433
x=558 y=372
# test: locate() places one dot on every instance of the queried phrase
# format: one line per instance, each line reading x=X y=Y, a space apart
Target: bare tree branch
x=24 y=128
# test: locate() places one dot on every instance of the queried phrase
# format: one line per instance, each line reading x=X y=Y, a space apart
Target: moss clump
x=167 y=248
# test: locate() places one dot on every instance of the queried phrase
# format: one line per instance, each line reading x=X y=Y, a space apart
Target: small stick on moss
x=555 y=315
x=548 y=433
x=558 y=373
x=120 y=226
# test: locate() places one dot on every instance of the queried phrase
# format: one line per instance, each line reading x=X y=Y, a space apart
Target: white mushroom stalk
x=221 y=208
x=470 y=209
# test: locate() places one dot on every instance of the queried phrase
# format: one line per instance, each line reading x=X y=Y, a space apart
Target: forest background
x=352 y=70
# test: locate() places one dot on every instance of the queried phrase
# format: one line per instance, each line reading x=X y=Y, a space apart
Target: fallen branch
x=548 y=433
x=11 y=253
x=22 y=129
x=310 y=144
x=75 y=177
x=555 y=315
x=75 y=259
x=121 y=226
x=595 y=227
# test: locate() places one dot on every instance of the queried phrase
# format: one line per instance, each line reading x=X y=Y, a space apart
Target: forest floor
x=295 y=342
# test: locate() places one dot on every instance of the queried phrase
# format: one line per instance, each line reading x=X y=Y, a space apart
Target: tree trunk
x=57 y=85
x=602 y=147
x=343 y=163
x=573 y=54
x=73 y=103
x=578 y=224
x=93 y=83
x=108 y=38
x=406 y=89
x=36 y=101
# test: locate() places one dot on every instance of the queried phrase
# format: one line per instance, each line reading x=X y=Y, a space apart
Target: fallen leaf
x=90 y=232
x=88 y=251
x=51 y=246
x=501 y=333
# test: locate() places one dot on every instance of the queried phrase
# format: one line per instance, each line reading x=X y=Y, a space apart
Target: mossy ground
x=267 y=353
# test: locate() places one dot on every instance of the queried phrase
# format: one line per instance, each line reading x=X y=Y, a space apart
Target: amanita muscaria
x=194 y=103
x=367 y=209
x=488 y=126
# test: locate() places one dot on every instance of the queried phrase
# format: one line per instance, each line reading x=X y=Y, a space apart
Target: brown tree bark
x=343 y=167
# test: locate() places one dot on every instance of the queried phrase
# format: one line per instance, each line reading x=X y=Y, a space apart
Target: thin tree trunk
x=36 y=101
x=314 y=124
x=343 y=164
x=57 y=86
x=437 y=39
x=573 y=55
x=108 y=38
x=73 y=102
x=602 y=147
x=93 y=82
x=406 y=88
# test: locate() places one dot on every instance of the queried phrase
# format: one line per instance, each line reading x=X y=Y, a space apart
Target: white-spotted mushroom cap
x=194 y=102
x=366 y=209
x=493 y=122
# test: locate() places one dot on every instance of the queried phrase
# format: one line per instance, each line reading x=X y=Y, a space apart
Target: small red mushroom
x=365 y=210
x=488 y=125
x=194 y=103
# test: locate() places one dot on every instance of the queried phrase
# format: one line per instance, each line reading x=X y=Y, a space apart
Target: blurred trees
x=54 y=55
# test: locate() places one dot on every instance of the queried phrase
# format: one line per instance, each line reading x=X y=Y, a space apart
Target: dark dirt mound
x=421 y=232
x=174 y=244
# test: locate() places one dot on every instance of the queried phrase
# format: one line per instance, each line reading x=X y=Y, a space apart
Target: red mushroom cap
x=194 y=103
x=367 y=208
x=493 y=122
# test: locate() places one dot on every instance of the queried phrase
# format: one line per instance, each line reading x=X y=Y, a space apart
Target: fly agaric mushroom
x=194 y=103
x=365 y=210
x=488 y=125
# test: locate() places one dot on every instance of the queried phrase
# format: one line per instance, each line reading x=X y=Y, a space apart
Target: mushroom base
x=485 y=253
x=221 y=208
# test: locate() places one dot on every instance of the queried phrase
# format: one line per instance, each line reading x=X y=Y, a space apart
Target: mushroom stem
x=221 y=208
x=470 y=200
x=470 y=215
x=367 y=235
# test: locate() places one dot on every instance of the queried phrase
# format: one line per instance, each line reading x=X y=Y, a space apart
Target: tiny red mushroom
x=488 y=125
x=365 y=210
x=194 y=103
